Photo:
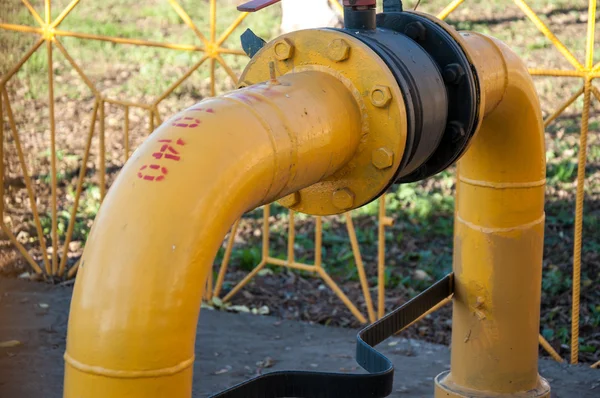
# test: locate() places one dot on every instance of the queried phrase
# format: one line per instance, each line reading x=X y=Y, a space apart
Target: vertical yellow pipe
x=102 y=151
x=53 y=170
x=137 y=298
x=498 y=238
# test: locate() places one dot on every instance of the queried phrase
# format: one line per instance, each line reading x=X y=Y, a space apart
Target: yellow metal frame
x=48 y=32
x=315 y=268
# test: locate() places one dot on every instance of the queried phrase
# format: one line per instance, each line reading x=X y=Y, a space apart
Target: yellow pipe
x=137 y=298
x=498 y=238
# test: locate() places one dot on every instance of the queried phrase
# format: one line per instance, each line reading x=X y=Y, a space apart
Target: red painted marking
x=167 y=151
x=163 y=170
x=207 y=110
x=186 y=122
x=168 y=148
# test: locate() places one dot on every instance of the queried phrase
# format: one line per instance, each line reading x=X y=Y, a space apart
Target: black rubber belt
x=376 y=384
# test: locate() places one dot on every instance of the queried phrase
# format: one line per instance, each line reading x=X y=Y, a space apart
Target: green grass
x=153 y=70
x=421 y=239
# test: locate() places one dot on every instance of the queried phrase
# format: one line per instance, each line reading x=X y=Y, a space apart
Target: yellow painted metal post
x=498 y=238
x=135 y=306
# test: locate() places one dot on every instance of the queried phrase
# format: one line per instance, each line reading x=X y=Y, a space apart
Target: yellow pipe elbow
x=137 y=296
x=498 y=239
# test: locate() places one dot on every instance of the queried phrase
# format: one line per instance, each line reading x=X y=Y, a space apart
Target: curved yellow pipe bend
x=137 y=297
x=499 y=233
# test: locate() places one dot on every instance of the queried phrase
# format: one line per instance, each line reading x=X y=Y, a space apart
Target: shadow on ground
x=36 y=315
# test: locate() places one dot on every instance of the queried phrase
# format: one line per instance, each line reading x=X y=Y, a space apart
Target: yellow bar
x=244 y=281
x=127 y=103
x=231 y=51
x=557 y=73
x=449 y=9
x=591 y=30
x=499 y=235
x=64 y=13
x=338 y=292
x=585 y=116
x=360 y=267
x=231 y=28
x=596 y=92
x=548 y=33
x=337 y=6
x=48 y=11
x=291 y=238
x=213 y=64
x=73 y=270
x=28 y=186
x=226 y=258
x=180 y=80
x=562 y=108
x=150 y=121
x=384 y=221
x=121 y=40
x=319 y=242
x=157 y=115
x=83 y=76
x=102 y=152
x=136 y=302
x=21 y=28
x=78 y=189
x=126 y=132
x=266 y=231
x=229 y=71
x=33 y=12
x=213 y=20
x=2 y=158
x=289 y=264
x=53 y=170
x=24 y=59
x=428 y=312
x=20 y=248
x=544 y=343
x=188 y=21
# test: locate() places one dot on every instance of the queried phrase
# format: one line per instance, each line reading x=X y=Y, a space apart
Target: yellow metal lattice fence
x=212 y=48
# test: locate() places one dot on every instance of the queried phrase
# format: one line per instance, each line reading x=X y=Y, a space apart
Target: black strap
x=377 y=384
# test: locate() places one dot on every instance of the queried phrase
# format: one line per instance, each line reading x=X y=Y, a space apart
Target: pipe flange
x=439 y=40
x=379 y=97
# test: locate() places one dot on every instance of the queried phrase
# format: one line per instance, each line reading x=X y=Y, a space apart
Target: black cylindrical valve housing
x=439 y=87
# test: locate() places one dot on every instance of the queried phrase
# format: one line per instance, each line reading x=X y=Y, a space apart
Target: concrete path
x=230 y=348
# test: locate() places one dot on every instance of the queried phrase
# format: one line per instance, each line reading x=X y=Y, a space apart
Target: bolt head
x=456 y=130
x=381 y=96
x=338 y=50
x=382 y=158
x=416 y=31
x=453 y=73
x=290 y=200
x=343 y=199
x=284 y=49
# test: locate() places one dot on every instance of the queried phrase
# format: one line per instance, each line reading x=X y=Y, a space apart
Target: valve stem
x=273 y=75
